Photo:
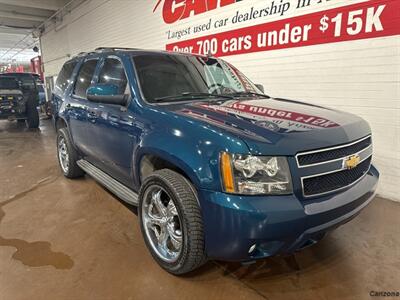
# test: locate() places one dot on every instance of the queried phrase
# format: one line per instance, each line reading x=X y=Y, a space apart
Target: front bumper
x=11 y=115
x=276 y=224
x=13 y=110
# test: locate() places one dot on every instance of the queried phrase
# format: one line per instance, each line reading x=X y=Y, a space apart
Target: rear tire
x=32 y=113
x=183 y=226
x=67 y=155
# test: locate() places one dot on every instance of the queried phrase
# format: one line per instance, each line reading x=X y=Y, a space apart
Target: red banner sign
x=364 y=20
x=175 y=10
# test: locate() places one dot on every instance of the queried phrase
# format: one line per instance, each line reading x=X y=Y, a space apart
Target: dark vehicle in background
x=218 y=169
x=44 y=105
x=19 y=98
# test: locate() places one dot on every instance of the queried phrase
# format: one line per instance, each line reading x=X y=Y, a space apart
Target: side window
x=84 y=77
x=113 y=72
x=64 y=78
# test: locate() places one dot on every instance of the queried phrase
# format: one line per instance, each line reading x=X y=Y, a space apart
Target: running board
x=117 y=188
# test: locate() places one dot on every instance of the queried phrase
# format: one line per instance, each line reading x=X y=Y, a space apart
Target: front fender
x=191 y=148
x=162 y=154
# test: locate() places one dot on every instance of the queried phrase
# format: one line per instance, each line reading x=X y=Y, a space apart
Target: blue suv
x=218 y=169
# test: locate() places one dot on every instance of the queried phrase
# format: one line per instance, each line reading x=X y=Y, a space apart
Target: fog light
x=252 y=248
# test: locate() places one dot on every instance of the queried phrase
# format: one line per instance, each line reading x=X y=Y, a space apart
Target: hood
x=277 y=126
x=9 y=92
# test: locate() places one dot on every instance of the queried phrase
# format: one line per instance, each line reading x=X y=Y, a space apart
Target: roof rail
x=99 y=49
x=81 y=54
x=113 y=48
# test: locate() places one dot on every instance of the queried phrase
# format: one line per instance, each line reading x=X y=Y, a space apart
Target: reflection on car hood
x=278 y=126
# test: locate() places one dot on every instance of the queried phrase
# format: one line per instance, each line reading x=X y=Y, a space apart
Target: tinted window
x=26 y=81
x=84 y=77
x=113 y=73
x=8 y=83
x=64 y=77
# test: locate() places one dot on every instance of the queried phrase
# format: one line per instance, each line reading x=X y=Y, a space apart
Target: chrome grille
x=5 y=103
x=330 y=167
x=338 y=152
x=331 y=154
x=334 y=181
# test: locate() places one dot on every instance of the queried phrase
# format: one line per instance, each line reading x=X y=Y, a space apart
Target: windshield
x=164 y=76
x=8 y=83
x=26 y=81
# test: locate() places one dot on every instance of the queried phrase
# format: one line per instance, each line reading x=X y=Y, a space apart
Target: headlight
x=255 y=175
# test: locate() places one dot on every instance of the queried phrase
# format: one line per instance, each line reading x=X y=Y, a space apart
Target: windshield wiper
x=191 y=96
x=238 y=94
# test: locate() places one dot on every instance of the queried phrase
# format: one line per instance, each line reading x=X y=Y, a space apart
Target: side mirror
x=106 y=93
x=260 y=87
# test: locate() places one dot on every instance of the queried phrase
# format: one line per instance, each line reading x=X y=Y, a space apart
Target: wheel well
x=150 y=163
x=60 y=123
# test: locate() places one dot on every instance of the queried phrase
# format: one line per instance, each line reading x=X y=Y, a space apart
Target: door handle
x=91 y=114
x=113 y=118
x=127 y=121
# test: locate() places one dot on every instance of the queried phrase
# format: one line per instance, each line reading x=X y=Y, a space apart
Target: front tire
x=171 y=222
x=67 y=155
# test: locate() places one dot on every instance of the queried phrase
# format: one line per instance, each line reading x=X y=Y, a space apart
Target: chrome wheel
x=63 y=156
x=162 y=224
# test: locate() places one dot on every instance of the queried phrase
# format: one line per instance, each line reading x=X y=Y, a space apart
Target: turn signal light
x=227 y=174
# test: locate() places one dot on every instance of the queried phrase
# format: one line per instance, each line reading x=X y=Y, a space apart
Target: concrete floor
x=71 y=239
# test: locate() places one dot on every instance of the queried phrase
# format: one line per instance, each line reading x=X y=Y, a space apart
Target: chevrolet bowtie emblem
x=352 y=161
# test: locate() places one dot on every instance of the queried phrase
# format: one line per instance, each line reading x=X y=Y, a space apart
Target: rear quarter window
x=85 y=77
x=64 y=77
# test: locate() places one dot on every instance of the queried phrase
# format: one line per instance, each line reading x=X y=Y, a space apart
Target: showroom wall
x=341 y=54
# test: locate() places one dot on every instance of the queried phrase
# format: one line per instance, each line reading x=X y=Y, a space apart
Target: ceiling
x=17 y=19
